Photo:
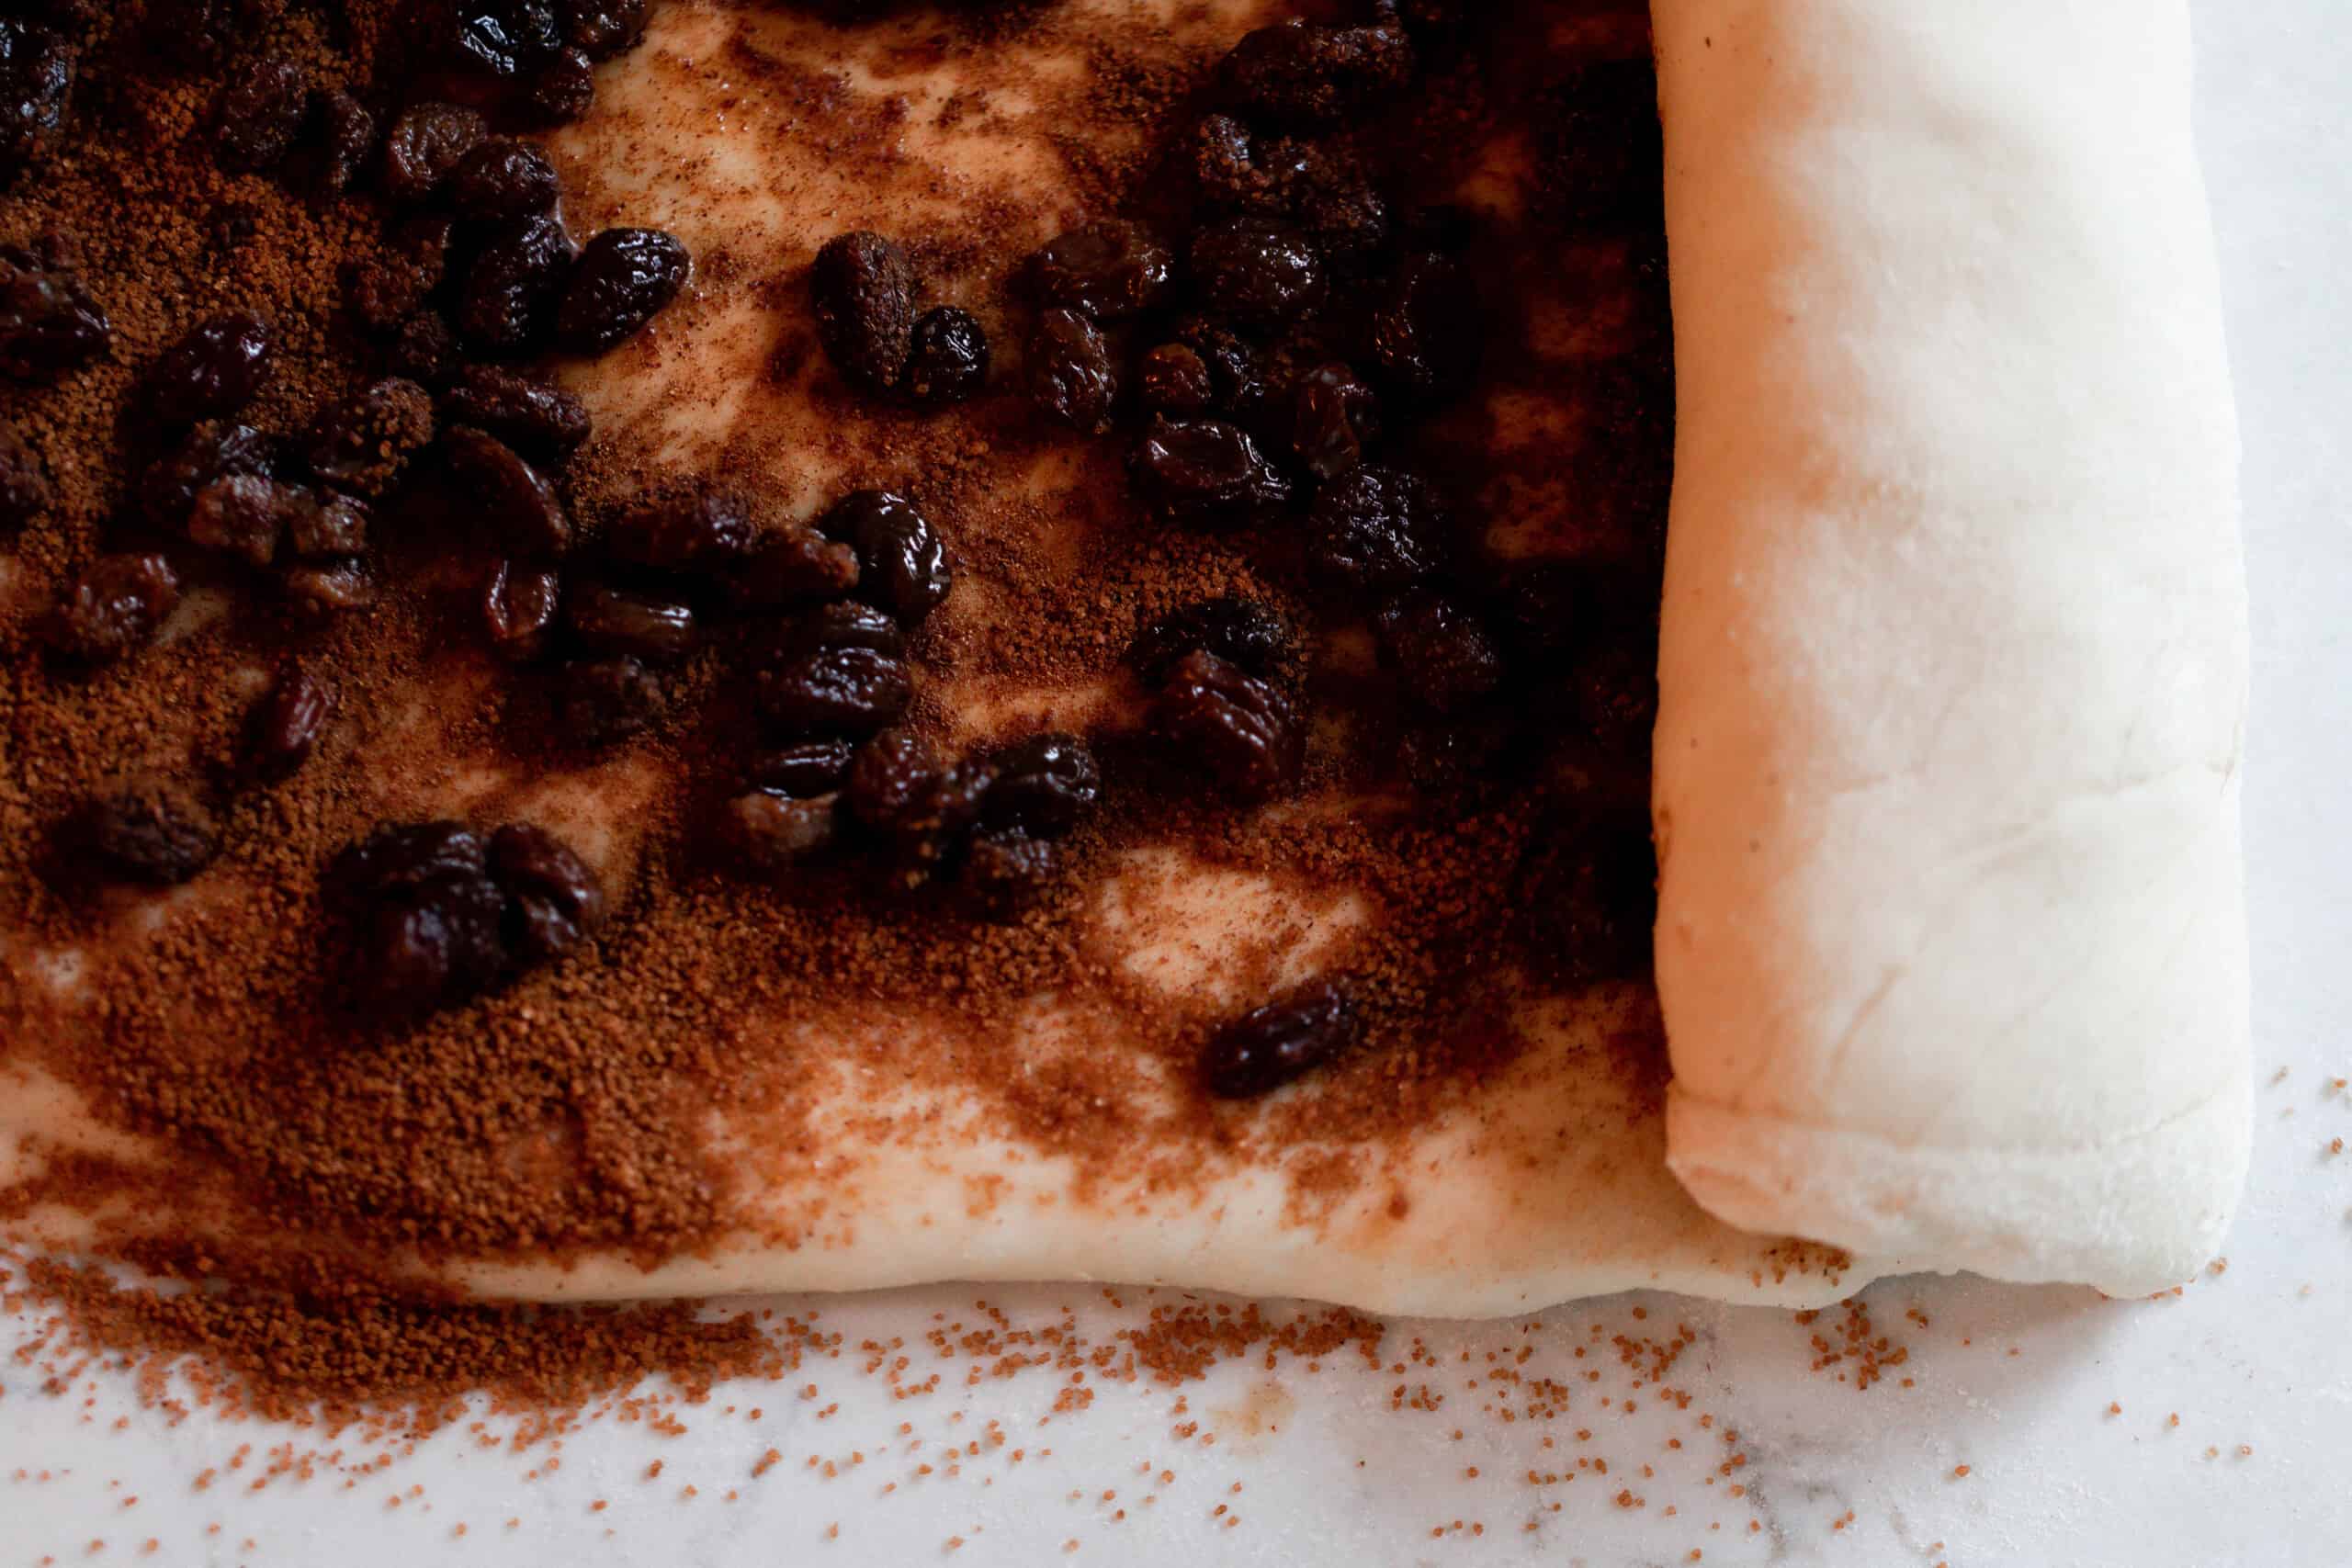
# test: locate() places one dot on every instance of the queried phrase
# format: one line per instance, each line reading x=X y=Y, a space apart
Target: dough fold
x=1951 y=936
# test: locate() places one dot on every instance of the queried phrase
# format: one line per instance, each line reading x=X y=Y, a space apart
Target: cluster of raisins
x=864 y=290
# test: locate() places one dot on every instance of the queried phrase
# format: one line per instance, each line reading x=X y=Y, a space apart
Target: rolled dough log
x=1952 y=934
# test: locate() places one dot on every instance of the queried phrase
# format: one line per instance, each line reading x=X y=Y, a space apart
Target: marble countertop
x=1964 y=1424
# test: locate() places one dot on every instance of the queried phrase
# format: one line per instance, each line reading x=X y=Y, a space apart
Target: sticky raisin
x=213 y=369
x=117 y=605
x=1262 y=1050
x=519 y=606
x=1006 y=873
x=610 y=620
x=1045 y=785
x=1204 y=473
x=902 y=564
x=888 y=775
x=1444 y=656
x=843 y=625
x=363 y=444
x=605 y=29
x=804 y=771
x=793 y=566
x=623 y=279
x=608 y=700
x=501 y=37
x=148 y=831
x=1071 y=375
x=1263 y=275
x=283 y=726
x=1334 y=415
x=426 y=142
x=555 y=901
x=245 y=515
x=1242 y=632
x=949 y=361
x=1237 y=731
x=50 y=326
x=35 y=87
x=1375 y=531
x=515 y=497
x=1314 y=76
x=836 y=691
x=864 y=288
x=563 y=89
x=767 y=832
x=701 y=532
x=529 y=415
x=508 y=302
x=1426 y=335
x=1105 y=270
x=501 y=177
x=260 y=111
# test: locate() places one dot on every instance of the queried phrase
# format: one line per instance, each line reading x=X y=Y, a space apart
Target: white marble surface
x=2014 y=1385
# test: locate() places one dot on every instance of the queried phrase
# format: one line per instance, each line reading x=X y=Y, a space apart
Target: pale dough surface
x=1951 y=941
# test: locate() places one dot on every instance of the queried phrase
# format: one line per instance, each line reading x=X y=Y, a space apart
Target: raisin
x=212 y=370
x=1104 y=270
x=518 y=609
x=429 y=949
x=903 y=565
x=930 y=832
x=624 y=279
x=604 y=29
x=283 y=727
x=804 y=771
x=509 y=298
x=118 y=603
x=554 y=899
x=345 y=136
x=501 y=177
x=261 y=109
x=147 y=831
x=1426 y=336
x=1375 y=531
x=1006 y=873
x=1237 y=376
x=330 y=588
x=1616 y=691
x=49 y=325
x=703 y=532
x=406 y=860
x=836 y=691
x=36 y=85
x=890 y=773
x=525 y=414
x=385 y=291
x=563 y=89
x=1263 y=275
x=245 y=515
x=1333 y=417
x=1445 y=658
x=1591 y=895
x=424 y=348
x=1223 y=722
x=1242 y=632
x=1045 y=785
x=502 y=37
x=1204 y=473
x=25 y=490
x=609 y=620
x=1314 y=76
x=426 y=142
x=1334 y=200
x=769 y=832
x=317 y=526
x=793 y=566
x=1175 y=380
x=1234 y=170
x=864 y=287
x=365 y=443
x=1260 y=1051
x=521 y=505
x=1329 y=195
x=949 y=361
x=212 y=451
x=605 y=700
x=1071 y=375
x=842 y=625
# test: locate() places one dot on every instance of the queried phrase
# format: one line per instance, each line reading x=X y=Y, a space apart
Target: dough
x=1951 y=939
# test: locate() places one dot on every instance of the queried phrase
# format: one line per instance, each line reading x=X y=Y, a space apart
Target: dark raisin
x=424 y=348
x=949 y=361
x=36 y=84
x=1445 y=658
x=890 y=773
x=214 y=369
x=1227 y=162
x=49 y=325
x=1204 y=473
x=318 y=526
x=345 y=136
x=1240 y=631
x=1375 y=531
x=1260 y=1051
x=1071 y=375
x=1262 y=275
x=1006 y=873
x=1591 y=895
x=148 y=831
x=261 y=109
x=864 y=287
x=283 y=727
x=793 y=566
x=1232 y=727
x=1104 y=270
x=518 y=609
x=117 y=605
x=365 y=443
x=563 y=89
x=929 y=833
x=527 y=414
x=329 y=588
x=430 y=949
x=1334 y=200
x=508 y=299
x=624 y=279
x=1175 y=380
x=836 y=691
x=502 y=178
x=25 y=490
x=520 y=502
x=843 y=625
x=768 y=833
x=604 y=29
x=701 y=532
x=1327 y=193
x=503 y=38
x=605 y=700
x=245 y=515
x=1333 y=417
x=903 y=565
x=610 y=620
x=1314 y=76
x=426 y=141
x=1426 y=336
x=385 y=291
x=554 y=899
x=400 y=861
x=209 y=452
x=804 y=771
x=1237 y=376
x=1045 y=785
x=1616 y=689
